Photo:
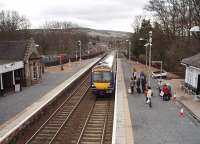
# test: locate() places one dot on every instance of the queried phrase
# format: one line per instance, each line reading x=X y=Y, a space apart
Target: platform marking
x=122 y=127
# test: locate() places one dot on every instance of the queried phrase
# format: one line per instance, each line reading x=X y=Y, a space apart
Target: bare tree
x=11 y=21
x=59 y=25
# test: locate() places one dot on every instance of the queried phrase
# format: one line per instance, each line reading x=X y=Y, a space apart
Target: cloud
x=94 y=13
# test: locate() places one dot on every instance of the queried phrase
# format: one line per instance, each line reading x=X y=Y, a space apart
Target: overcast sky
x=99 y=14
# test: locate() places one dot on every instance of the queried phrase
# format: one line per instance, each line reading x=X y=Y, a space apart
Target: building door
x=8 y=81
x=198 y=85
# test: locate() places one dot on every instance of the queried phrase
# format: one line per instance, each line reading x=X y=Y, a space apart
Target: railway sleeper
x=90 y=142
x=92 y=134
x=100 y=125
x=94 y=128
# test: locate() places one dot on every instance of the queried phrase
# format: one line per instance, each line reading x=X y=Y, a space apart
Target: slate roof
x=13 y=50
x=193 y=61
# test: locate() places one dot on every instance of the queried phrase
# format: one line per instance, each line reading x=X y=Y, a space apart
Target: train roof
x=107 y=61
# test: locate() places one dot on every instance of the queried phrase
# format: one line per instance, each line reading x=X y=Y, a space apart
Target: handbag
x=129 y=90
x=161 y=93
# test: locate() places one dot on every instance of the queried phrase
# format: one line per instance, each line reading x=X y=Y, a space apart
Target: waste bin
x=17 y=87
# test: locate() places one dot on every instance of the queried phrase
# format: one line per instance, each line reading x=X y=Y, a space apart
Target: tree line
x=172 y=39
x=53 y=37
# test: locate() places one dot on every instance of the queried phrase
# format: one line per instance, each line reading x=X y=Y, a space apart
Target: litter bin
x=17 y=87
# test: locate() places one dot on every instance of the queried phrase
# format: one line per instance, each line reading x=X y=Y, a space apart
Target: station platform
x=122 y=124
x=28 y=102
x=136 y=123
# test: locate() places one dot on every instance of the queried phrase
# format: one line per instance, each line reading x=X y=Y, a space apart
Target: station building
x=192 y=72
x=19 y=65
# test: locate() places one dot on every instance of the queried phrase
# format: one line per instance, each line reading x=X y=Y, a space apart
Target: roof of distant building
x=17 y=50
x=193 y=60
x=12 y=50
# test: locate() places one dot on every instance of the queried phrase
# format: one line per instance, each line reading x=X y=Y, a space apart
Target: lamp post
x=146 y=46
x=150 y=44
x=129 y=49
x=79 y=44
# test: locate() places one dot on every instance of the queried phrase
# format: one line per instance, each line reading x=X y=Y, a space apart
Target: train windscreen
x=102 y=76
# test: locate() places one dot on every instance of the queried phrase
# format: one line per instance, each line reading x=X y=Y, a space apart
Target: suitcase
x=138 y=90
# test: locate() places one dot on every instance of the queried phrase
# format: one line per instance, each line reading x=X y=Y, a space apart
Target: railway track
x=51 y=128
x=98 y=126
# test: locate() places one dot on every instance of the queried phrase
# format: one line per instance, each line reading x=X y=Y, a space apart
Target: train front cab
x=103 y=83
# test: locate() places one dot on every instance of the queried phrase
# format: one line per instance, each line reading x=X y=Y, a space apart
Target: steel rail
x=56 y=111
x=105 y=122
x=92 y=111
x=88 y=117
x=69 y=116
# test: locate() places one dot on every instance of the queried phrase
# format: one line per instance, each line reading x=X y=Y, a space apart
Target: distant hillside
x=104 y=33
x=91 y=32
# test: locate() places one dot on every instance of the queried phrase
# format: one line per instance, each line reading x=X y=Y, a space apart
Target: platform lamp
x=146 y=46
x=79 y=44
x=150 y=45
x=129 y=49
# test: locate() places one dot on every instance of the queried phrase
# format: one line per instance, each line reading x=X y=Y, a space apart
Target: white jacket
x=149 y=93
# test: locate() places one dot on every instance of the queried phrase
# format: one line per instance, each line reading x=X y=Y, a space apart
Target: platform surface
x=122 y=126
x=162 y=123
x=24 y=113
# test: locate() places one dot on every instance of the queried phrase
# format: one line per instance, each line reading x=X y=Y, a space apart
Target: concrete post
x=13 y=73
x=1 y=81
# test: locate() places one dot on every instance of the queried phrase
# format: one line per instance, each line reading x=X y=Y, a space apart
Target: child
x=132 y=84
x=149 y=94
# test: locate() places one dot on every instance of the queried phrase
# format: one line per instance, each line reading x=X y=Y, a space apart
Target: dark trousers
x=150 y=105
x=166 y=97
x=132 y=89
x=1 y=92
x=143 y=88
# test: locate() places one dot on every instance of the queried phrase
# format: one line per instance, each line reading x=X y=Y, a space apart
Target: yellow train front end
x=102 y=81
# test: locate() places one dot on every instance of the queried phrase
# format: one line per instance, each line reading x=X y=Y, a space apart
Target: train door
x=198 y=84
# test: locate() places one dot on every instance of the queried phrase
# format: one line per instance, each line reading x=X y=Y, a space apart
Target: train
x=57 y=59
x=104 y=75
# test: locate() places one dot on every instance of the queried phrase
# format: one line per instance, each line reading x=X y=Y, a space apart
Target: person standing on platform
x=143 y=81
x=149 y=94
x=134 y=73
x=132 y=85
x=165 y=90
x=145 y=93
x=138 y=85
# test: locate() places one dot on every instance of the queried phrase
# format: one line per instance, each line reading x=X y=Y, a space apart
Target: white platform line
x=122 y=126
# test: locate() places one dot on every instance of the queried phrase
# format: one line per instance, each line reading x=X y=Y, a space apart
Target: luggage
x=138 y=90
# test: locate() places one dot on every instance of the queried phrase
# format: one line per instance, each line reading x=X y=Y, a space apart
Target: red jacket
x=165 y=89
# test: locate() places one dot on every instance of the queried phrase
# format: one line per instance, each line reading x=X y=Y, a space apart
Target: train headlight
x=110 y=85
x=93 y=85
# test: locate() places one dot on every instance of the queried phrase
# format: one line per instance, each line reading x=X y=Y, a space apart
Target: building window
x=35 y=76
